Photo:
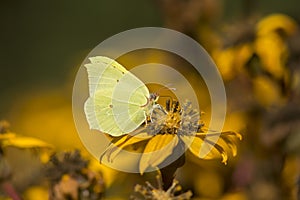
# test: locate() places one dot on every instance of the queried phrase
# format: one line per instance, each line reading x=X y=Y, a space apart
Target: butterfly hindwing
x=129 y=98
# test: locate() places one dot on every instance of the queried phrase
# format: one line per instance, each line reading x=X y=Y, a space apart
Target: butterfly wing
x=129 y=97
x=95 y=70
x=110 y=108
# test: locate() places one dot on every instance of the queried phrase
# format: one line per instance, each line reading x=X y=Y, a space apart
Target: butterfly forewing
x=115 y=105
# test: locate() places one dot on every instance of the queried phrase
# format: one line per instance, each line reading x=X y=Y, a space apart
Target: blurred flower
x=71 y=178
x=30 y=150
x=270 y=45
x=273 y=54
x=232 y=61
x=261 y=54
x=267 y=40
x=174 y=129
x=9 y=139
x=150 y=192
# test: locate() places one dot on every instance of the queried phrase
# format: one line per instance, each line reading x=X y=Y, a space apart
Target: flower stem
x=168 y=172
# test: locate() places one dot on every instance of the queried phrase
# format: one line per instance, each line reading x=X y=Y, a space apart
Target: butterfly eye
x=153 y=96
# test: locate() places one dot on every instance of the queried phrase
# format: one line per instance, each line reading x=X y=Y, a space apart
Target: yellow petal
x=203 y=146
x=26 y=142
x=157 y=150
x=275 y=22
x=232 y=60
x=225 y=61
x=114 y=149
x=213 y=153
x=243 y=54
x=230 y=143
x=5 y=136
x=273 y=53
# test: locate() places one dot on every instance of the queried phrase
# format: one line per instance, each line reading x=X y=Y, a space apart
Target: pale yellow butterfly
x=118 y=101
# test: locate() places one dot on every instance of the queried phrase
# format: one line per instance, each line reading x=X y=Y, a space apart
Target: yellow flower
x=270 y=44
x=173 y=129
x=273 y=54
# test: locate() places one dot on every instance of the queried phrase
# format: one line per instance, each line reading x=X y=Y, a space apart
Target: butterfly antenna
x=165 y=88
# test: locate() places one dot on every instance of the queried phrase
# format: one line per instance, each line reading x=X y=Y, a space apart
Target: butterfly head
x=153 y=97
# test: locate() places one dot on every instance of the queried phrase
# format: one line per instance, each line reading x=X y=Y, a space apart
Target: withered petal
x=226 y=139
x=205 y=149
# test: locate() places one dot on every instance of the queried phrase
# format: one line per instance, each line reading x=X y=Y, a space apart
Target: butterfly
x=118 y=101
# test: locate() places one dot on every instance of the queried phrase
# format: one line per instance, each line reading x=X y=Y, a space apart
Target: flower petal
x=227 y=140
x=5 y=136
x=205 y=149
x=115 y=148
x=26 y=142
x=157 y=150
x=203 y=145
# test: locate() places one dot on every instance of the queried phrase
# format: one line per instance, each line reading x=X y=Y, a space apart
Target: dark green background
x=43 y=42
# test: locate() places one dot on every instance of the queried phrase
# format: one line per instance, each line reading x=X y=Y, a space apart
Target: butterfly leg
x=159 y=107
